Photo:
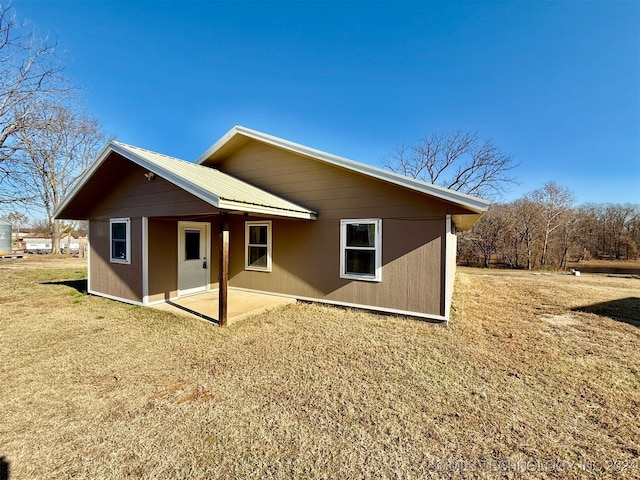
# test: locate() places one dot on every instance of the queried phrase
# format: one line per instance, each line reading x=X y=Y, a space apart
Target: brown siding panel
x=115 y=279
x=163 y=259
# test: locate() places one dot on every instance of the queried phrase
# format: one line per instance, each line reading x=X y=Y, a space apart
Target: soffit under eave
x=465 y=221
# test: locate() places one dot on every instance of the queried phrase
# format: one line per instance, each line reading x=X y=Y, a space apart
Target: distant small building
x=69 y=244
x=37 y=245
x=32 y=243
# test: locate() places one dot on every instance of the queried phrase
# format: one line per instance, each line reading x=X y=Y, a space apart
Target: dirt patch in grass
x=511 y=388
x=560 y=320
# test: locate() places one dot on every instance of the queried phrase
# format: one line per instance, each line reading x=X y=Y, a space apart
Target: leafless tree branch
x=458 y=160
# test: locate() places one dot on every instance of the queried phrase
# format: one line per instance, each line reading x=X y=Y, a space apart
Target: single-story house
x=289 y=220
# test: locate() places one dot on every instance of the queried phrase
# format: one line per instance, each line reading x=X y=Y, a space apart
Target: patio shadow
x=625 y=310
x=193 y=312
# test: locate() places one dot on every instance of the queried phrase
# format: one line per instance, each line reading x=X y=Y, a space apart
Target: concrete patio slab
x=241 y=304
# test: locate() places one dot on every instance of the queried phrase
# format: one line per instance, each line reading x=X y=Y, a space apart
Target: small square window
x=361 y=249
x=120 y=240
x=258 y=246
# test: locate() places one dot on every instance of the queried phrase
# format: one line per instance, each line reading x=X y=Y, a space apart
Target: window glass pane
x=258 y=257
x=258 y=234
x=119 y=249
x=119 y=231
x=361 y=235
x=361 y=261
x=192 y=245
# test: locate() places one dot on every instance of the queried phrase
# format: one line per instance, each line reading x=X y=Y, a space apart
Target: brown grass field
x=536 y=376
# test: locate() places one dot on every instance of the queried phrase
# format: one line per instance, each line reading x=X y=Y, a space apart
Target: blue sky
x=556 y=84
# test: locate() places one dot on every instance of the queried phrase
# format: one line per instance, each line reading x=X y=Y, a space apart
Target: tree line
x=46 y=139
x=544 y=229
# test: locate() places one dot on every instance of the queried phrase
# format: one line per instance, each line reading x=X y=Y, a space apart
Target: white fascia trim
x=113 y=297
x=448 y=293
x=264 y=210
x=373 y=308
x=475 y=204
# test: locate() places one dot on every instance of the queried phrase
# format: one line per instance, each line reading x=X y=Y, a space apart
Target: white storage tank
x=5 y=238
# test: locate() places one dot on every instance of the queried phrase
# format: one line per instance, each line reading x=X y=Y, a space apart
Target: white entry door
x=193 y=263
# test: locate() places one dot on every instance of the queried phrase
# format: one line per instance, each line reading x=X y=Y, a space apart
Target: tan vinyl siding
x=306 y=254
x=118 y=280
x=306 y=263
x=327 y=189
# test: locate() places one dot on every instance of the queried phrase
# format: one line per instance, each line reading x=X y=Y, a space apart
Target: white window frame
x=377 y=276
x=247 y=226
x=127 y=222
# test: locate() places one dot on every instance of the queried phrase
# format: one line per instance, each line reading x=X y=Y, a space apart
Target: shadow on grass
x=625 y=310
x=4 y=469
x=193 y=312
x=78 y=285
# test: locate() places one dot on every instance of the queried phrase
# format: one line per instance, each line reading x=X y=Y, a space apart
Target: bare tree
x=29 y=74
x=458 y=160
x=54 y=153
x=569 y=234
x=527 y=221
x=16 y=219
x=554 y=201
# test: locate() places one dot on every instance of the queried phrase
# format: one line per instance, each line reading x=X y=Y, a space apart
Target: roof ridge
x=128 y=145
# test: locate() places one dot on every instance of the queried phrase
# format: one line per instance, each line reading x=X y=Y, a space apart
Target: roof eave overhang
x=474 y=204
x=264 y=210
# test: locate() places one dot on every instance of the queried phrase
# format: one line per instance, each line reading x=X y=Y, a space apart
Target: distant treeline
x=544 y=230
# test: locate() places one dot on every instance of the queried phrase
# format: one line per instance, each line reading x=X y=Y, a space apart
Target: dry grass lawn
x=535 y=376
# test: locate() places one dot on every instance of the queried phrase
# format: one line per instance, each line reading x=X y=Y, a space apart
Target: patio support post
x=223 y=277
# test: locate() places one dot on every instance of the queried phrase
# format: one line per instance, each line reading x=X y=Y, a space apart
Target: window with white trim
x=120 y=240
x=361 y=249
x=257 y=238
